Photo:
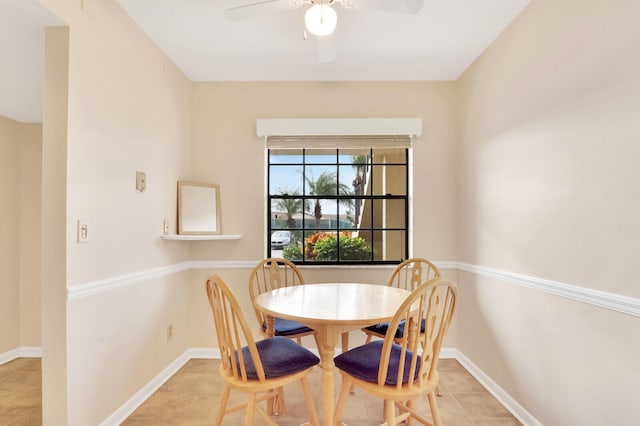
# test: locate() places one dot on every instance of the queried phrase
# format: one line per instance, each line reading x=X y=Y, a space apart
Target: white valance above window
x=338 y=132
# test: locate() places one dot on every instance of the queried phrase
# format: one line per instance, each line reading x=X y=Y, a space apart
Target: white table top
x=333 y=303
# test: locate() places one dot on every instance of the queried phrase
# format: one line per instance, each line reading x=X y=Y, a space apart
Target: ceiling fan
x=320 y=18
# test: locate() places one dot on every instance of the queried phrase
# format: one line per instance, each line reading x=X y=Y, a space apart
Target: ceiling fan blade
x=326 y=46
x=260 y=8
x=411 y=7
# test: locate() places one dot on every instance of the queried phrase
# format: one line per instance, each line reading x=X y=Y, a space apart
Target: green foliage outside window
x=323 y=246
x=351 y=248
x=293 y=252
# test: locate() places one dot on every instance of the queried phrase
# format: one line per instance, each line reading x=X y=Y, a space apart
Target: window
x=346 y=204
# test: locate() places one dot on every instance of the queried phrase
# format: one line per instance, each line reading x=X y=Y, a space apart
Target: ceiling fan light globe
x=321 y=19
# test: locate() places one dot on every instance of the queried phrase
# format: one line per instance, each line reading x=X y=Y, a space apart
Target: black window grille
x=338 y=206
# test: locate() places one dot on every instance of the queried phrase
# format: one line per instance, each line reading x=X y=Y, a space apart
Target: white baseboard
x=500 y=394
x=448 y=353
x=121 y=414
x=21 y=352
x=9 y=356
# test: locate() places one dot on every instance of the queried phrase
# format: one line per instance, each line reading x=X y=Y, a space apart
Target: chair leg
x=251 y=407
x=271 y=404
x=367 y=341
x=266 y=417
x=345 y=348
x=223 y=405
x=433 y=405
x=346 y=385
x=313 y=414
x=411 y=405
x=389 y=412
x=280 y=406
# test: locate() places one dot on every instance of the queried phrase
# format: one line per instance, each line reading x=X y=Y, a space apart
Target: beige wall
x=117 y=343
x=225 y=150
x=30 y=233
x=128 y=111
x=20 y=181
x=54 y=217
x=10 y=231
x=549 y=187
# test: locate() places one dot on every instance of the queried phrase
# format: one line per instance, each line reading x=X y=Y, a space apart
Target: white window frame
x=272 y=129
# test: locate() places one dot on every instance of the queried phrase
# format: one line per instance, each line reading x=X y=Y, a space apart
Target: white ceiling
x=22 y=25
x=439 y=43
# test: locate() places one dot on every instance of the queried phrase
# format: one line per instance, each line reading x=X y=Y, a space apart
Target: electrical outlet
x=165 y=227
x=169 y=332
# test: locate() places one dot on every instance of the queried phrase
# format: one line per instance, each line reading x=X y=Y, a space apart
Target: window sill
x=175 y=237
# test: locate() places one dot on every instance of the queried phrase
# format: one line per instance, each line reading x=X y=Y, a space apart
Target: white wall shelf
x=201 y=237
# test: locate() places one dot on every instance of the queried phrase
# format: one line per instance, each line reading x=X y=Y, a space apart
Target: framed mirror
x=198 y=208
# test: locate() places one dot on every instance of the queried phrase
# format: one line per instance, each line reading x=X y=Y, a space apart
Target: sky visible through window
x=289 y=179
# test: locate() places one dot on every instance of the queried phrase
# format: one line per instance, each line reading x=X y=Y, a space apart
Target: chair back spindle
x=232 y=331
x=413 y=272
x=270 y=274
x=433 y=304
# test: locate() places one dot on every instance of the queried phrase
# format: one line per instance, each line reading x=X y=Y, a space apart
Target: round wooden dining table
x=331 y=309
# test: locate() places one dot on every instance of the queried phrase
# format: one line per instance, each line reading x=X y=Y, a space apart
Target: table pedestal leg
x=327 y=339
x=271 y=325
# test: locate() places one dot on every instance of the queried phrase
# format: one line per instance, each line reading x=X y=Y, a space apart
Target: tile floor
x=191 y=397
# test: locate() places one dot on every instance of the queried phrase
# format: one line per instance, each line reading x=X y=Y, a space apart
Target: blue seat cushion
x=383 y=327
x=285 y=327
x=280 y=356
x=363 y=363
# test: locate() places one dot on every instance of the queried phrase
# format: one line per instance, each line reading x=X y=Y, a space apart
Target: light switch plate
x=83 y=232
x=165 y=227
x=141 y=181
